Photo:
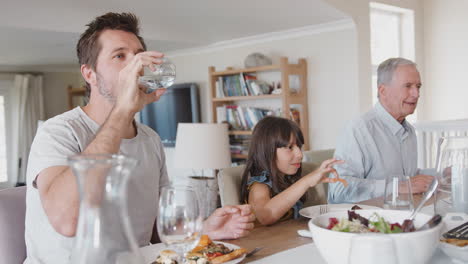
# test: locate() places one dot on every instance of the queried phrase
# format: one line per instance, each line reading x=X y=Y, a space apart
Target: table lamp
x=203 y=146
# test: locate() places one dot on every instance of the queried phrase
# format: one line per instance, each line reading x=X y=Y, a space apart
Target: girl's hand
x=321 y=173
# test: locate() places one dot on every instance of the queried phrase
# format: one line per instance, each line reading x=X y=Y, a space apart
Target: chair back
x=317 y=156
x=12 y=216
x=428 y=135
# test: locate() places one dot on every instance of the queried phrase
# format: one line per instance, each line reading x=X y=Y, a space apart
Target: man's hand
x=129 y=95
x=229 y=222
x=420 y=183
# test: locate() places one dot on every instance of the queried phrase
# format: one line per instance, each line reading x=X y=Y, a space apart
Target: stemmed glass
x=179 y=220
x=162 y=77
x=398 y=194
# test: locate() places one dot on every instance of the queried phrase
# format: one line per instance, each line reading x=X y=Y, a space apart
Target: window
x=3 y=160
x=392 y=35
x=4 y=92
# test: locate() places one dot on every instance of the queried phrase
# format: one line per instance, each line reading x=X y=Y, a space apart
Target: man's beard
x=103 y=90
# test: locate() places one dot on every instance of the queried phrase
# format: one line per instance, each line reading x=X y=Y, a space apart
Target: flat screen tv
x=180 y=104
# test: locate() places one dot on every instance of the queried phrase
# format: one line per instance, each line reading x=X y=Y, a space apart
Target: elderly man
x=112 y=57
x=381 y=142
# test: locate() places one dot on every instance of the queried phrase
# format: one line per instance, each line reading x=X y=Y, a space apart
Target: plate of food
x=314 y=211
x=454 y=241
x=206 y=252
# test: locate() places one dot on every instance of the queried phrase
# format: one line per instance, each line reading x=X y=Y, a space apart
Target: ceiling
x=45 y=32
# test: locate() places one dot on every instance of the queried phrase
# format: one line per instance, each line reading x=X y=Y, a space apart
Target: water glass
x=162 y=77
x=398 y=194
x=372 y=248
x=179 y=220
x=452 y=173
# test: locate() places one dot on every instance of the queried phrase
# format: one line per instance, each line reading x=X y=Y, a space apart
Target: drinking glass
x=398 y=194
x=371 y=249
x=179 y=221
x=162 y=77
x=452 y=173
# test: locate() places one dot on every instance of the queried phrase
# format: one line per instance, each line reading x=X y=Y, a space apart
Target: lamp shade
x=202 y=146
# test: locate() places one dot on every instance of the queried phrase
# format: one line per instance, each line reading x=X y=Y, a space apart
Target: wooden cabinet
x=76 y=97
x=289 y=96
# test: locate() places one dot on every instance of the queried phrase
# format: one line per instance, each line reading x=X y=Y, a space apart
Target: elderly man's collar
x=395 y=127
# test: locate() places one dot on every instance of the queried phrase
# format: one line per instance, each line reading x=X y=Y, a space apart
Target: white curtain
x=27 y=103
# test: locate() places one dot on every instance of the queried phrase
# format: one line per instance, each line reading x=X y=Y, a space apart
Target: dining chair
x=12 y=216
x=317 y=156
x=429 y=133
x=230 y=183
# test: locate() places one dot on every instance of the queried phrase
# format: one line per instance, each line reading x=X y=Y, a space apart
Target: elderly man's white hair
x=387 y=68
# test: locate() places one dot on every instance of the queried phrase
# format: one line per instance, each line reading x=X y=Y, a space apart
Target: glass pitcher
x=452 y=172
x=104 y=234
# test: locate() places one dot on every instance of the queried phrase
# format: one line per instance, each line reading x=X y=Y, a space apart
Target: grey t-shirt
x=69 y=134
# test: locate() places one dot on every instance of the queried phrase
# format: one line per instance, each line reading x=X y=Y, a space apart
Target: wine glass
x=398 y=194
x=162 y=77
x=179 y=221
x=372 y=248
x=452 y=173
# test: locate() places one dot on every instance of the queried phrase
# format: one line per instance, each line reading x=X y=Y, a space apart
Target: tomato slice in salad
x=214 y=254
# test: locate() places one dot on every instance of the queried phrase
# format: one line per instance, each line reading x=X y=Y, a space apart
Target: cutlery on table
x=430 y=191
x=435 y=220
x=323 y=209
x=253 y=251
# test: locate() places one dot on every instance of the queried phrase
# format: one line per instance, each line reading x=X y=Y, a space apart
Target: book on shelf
x=221 y=114
x=242 y=84
x=259 y=87
x=249 y=77
x=232 y=117
x=239 y=144
x=242 y=118
x=219 y=88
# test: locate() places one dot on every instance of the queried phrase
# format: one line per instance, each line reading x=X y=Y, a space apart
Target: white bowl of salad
x=332 y=233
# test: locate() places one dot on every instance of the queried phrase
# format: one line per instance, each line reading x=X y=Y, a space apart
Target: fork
x=255 y=250
x=323 y=209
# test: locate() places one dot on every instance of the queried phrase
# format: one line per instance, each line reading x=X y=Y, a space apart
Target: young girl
x=272 y=181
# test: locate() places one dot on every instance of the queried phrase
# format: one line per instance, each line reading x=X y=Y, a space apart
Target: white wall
x=358 y=10
x=445 y=91
x=332 y=76
x=55 y=91
x=7 y=76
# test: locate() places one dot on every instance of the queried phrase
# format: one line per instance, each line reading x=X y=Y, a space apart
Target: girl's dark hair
x=269 y=134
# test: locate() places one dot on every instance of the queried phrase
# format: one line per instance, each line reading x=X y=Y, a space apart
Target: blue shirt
x=373 y=146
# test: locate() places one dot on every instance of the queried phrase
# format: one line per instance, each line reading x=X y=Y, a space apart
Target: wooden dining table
x=283 y=235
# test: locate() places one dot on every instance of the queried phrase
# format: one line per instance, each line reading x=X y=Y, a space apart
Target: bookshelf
x=231 y=86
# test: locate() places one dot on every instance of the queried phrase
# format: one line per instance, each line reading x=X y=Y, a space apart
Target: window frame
x=406 y=41
x=5 y=91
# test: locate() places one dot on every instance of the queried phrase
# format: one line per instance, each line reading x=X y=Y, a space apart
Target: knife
x=435 y=220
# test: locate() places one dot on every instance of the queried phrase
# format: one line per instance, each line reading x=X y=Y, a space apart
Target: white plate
x=457 y=254
x=151 y=252
x=314 y=211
